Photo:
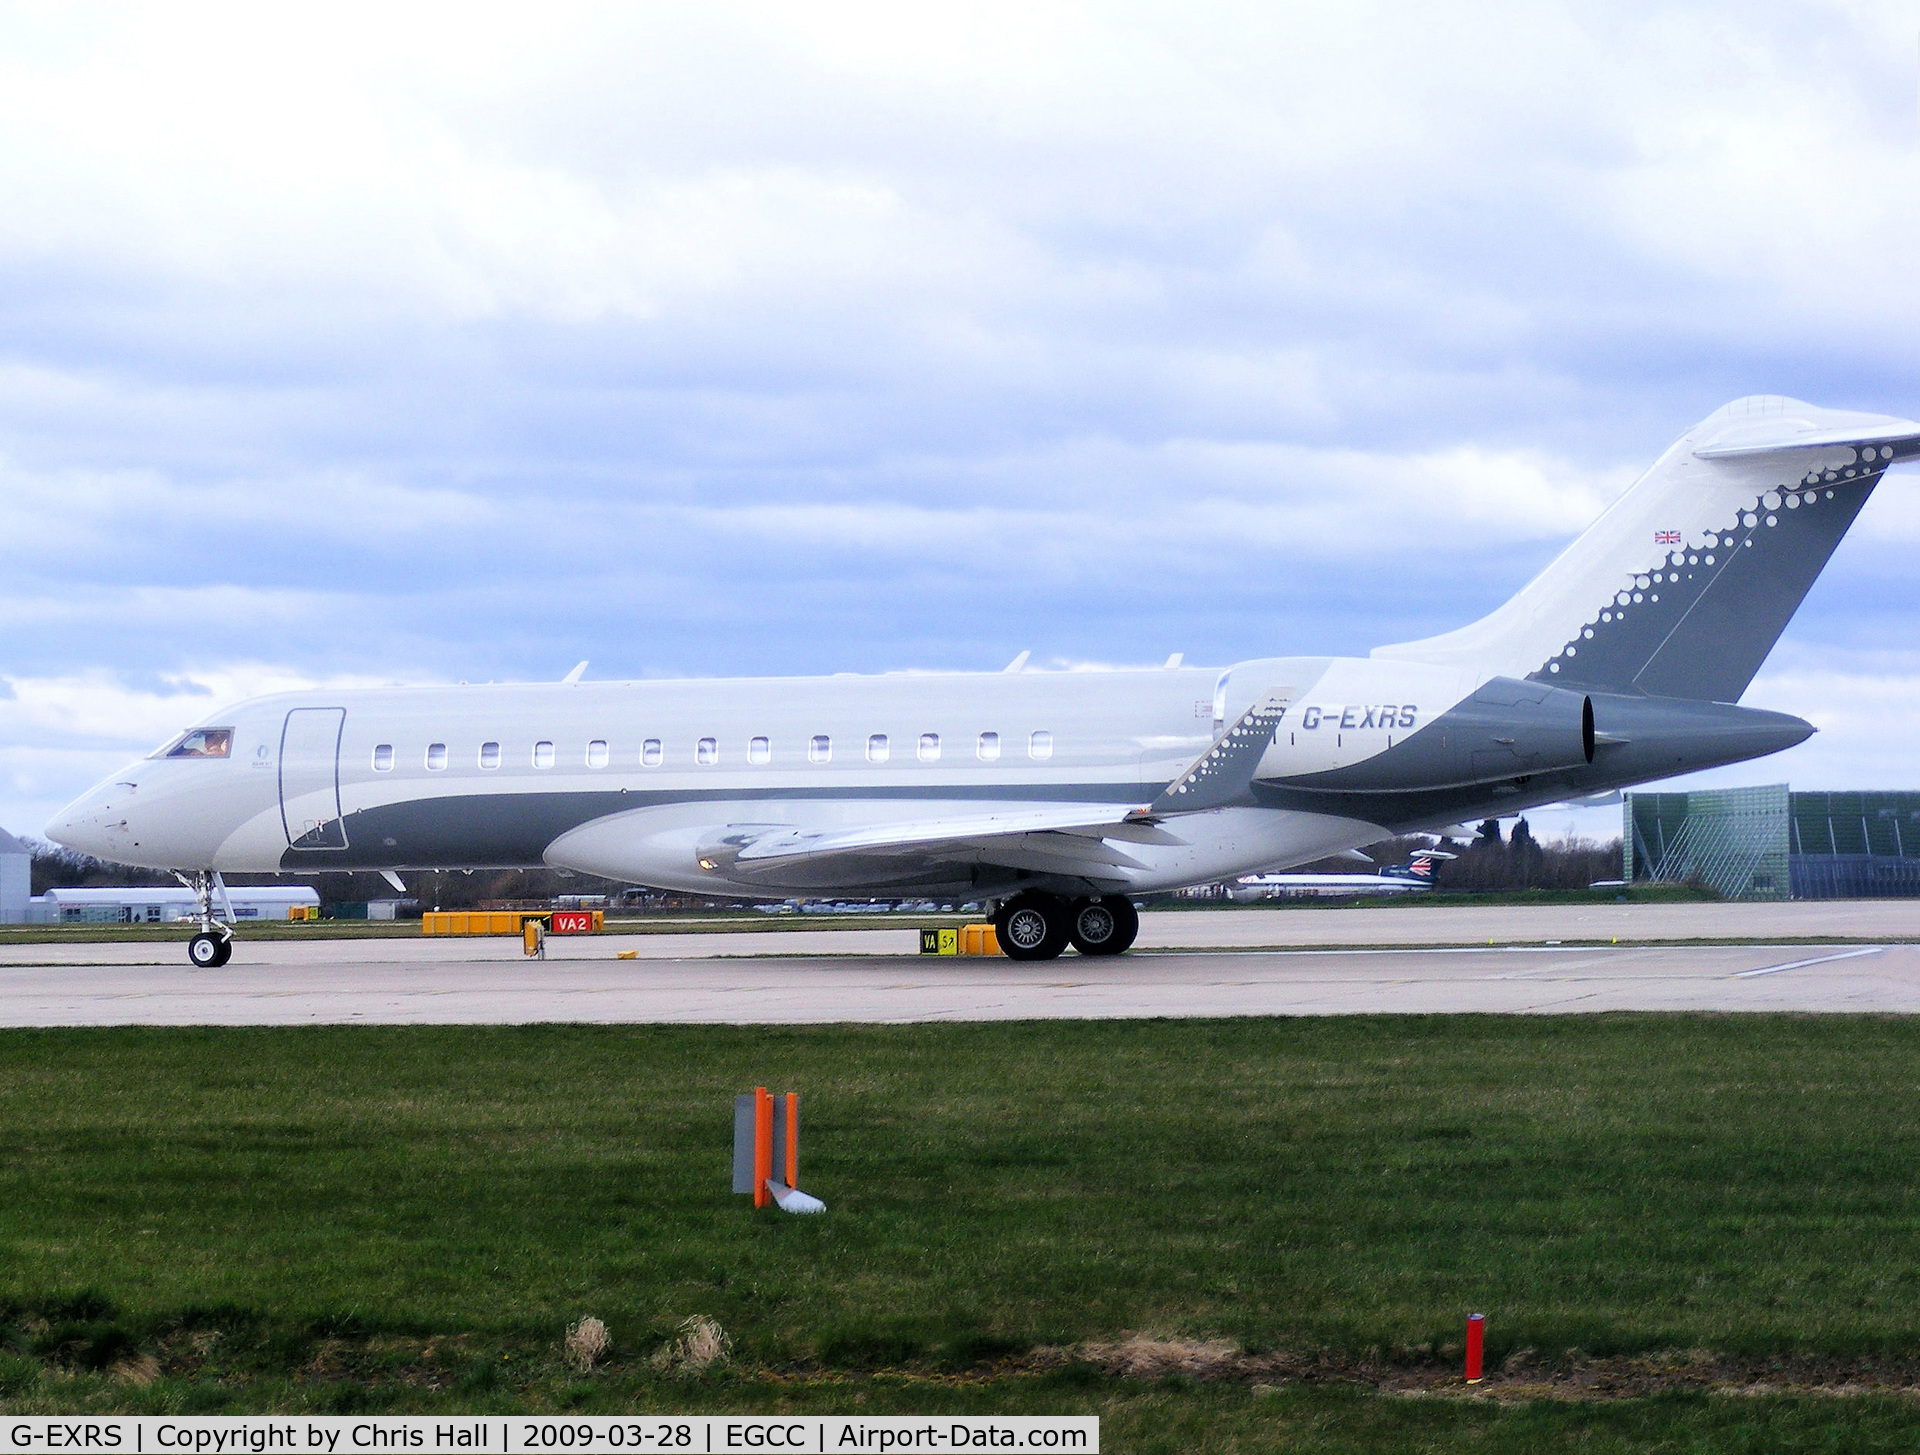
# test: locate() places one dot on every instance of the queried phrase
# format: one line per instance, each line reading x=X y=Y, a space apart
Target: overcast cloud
x=394 y=343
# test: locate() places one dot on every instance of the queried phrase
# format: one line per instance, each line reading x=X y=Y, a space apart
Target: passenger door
x=310 y=778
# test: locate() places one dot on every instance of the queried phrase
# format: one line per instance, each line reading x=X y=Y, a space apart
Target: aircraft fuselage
x=632 y=779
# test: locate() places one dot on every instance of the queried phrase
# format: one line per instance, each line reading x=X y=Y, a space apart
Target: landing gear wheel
x=1104 y=926
x=209 y=950
x=1032 y=927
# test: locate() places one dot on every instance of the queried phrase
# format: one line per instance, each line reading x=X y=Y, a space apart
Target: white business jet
x=1053 y=795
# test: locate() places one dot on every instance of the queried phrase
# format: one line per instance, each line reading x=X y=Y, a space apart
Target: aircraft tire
x=207 y=951
x=1032 y=927
x=226 y=952
x=1104 y=926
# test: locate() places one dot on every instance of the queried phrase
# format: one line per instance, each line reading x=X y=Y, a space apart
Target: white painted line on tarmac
x=1595 y=947
x=1802 y=964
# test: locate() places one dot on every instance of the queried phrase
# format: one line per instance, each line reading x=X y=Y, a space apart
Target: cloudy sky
x=403 y=344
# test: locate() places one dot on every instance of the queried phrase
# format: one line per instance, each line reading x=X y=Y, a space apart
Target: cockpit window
x=201 y=743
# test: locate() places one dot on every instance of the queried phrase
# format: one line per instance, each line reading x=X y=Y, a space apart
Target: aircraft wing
x=1078 y=839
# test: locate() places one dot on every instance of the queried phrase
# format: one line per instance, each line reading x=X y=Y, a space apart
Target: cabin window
x=929 y=747
x=383 y=758
x=759 y=750
x=650 y=754
x=489 y=756
x=706 y=751
x=877 y=748
x=820 y=750
x=543 y=755
x=436 y=757
x=1040 y=746
x=597 y=753
x=989 y=748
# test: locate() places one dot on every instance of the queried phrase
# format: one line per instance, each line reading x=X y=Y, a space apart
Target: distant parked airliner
x=1054 y=795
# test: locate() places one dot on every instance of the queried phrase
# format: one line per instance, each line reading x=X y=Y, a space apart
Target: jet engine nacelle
x=1506 y=729
x=1509 y=729
x=1640 y=738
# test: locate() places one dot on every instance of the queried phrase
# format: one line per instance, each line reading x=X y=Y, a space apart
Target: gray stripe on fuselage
x=513 y=830
x=1653 y=738
x=1664 y=736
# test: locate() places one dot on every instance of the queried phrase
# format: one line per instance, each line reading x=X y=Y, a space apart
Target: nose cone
x=97 y=823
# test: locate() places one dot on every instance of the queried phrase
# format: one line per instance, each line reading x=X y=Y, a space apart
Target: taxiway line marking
x=1803 y=964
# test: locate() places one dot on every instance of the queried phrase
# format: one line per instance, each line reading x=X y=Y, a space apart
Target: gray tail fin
x=1684 y=585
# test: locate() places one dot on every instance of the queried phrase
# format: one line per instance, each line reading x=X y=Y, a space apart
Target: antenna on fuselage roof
x=1019 y=663
x=574 y=676
x=1174 y=661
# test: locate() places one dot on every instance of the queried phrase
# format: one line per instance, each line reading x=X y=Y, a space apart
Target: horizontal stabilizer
x=1798 y=429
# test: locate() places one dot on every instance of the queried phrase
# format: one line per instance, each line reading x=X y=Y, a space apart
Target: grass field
x=1297 y=1214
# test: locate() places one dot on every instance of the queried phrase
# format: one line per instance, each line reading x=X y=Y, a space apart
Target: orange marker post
x=762 y=1144
x=1476 y=1330
x=793 y=1139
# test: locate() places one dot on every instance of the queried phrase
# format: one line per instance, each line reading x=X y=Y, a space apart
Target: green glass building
x=1771 y=843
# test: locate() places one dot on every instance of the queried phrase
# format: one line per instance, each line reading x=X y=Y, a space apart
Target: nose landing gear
x=212 y=947
x=209 y=951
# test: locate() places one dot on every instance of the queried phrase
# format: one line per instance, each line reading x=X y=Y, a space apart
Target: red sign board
x=572 y=922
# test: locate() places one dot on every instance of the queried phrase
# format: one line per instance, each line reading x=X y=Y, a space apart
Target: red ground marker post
x=762 y=1144
x=1476 y=1329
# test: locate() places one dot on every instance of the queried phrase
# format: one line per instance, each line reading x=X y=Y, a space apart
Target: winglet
x=574 y=676
x=1223 y=773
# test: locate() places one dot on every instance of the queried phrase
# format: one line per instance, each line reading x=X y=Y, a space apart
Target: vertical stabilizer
x=1684 y=585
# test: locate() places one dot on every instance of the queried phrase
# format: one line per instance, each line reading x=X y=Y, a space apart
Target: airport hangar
x=126 y=904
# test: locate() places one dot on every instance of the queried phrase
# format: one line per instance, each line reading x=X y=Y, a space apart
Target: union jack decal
x=1666 y=538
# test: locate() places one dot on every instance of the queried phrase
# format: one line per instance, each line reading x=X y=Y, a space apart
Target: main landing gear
x=212 y=947
x=1035 y=926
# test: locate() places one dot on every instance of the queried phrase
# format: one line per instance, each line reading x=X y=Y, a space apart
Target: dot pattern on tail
x=1732 y=585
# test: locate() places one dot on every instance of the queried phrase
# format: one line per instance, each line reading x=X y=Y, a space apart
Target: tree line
x=1490 y=862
